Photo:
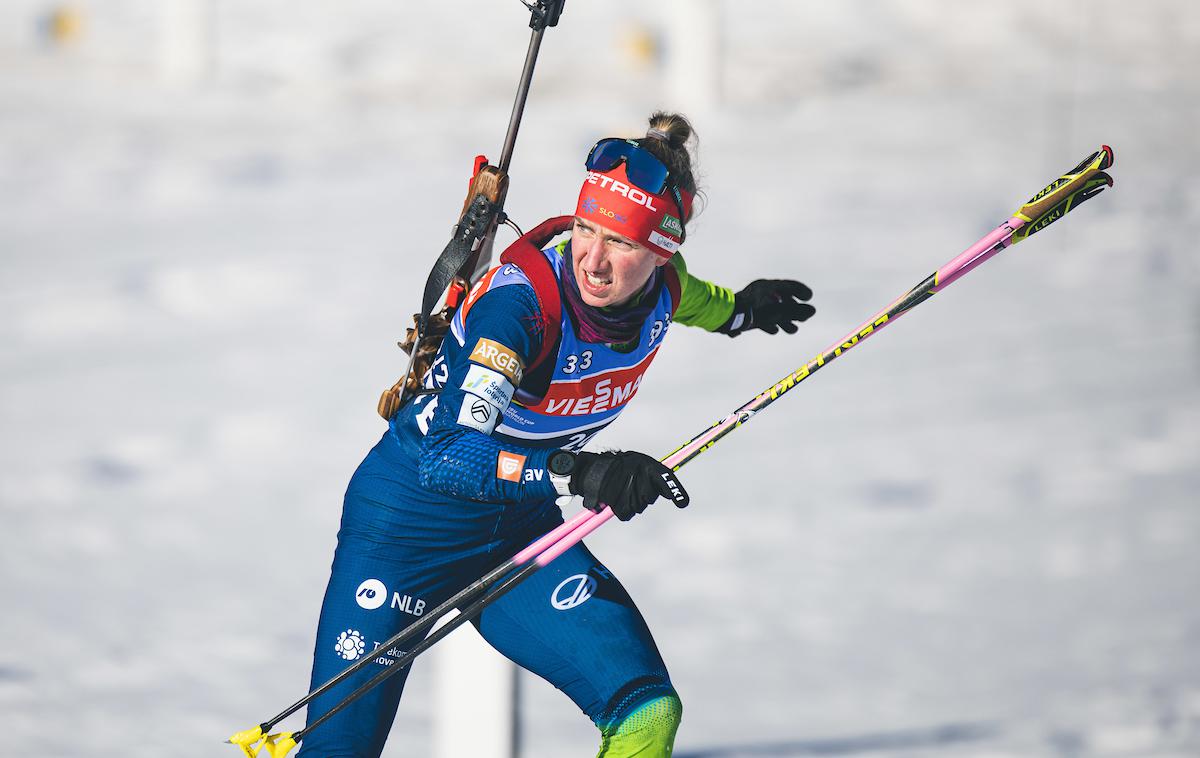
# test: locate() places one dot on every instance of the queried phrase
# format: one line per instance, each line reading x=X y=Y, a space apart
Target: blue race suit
x=455 y=487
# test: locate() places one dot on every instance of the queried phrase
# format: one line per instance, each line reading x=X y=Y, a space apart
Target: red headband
x=610 y=200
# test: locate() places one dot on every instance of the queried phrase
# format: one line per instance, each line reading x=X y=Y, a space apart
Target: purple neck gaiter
x=610 y=326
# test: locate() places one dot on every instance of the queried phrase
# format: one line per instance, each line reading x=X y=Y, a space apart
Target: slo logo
x=371 y=594
x=590 y=206
x=572 y=591
x=350 y=645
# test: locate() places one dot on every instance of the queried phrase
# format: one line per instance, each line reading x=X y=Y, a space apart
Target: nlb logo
x=407 y=603
x=632 y=193
x=573 y=591
x=371 y=594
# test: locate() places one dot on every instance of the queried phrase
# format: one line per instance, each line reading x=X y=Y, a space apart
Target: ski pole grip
x=1078 y=179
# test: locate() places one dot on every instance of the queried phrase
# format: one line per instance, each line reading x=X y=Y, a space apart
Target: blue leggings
x=400 y=554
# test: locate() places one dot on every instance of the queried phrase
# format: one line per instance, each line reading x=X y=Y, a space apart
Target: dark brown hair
x=674 y=150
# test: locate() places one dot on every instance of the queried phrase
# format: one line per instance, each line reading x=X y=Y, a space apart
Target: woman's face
x=610 y=267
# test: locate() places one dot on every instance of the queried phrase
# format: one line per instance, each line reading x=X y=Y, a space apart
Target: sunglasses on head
x=643 y=169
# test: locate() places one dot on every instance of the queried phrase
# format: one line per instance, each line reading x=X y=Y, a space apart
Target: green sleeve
x=701 y=303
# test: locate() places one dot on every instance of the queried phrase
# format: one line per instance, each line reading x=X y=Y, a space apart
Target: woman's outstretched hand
x=770 y=305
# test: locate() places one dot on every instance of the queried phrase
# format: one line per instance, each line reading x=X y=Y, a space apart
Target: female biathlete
x=548 y=350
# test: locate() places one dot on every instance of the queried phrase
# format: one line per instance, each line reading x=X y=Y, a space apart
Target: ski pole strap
x=472 y=226
x=492 y=183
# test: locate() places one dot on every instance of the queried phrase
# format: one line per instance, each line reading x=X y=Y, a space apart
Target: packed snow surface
x=975 y=535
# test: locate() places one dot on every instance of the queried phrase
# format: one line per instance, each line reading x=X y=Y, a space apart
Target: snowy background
x=976 y=536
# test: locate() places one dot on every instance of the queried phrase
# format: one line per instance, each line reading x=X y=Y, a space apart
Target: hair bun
x=671 y=128
x=668 y=139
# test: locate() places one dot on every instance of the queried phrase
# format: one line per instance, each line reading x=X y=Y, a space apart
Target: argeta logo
x=350 y=644
x=503 y=359
x=572 y=591
x=371 y=594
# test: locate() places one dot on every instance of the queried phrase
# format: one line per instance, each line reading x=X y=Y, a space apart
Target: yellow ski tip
x=279 y=745
x=246 y=741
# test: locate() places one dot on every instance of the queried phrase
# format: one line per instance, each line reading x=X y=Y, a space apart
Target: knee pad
x=647 y=732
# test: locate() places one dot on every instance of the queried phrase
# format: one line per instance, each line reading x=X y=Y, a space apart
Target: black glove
x=625 y=481
x=770 y=305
